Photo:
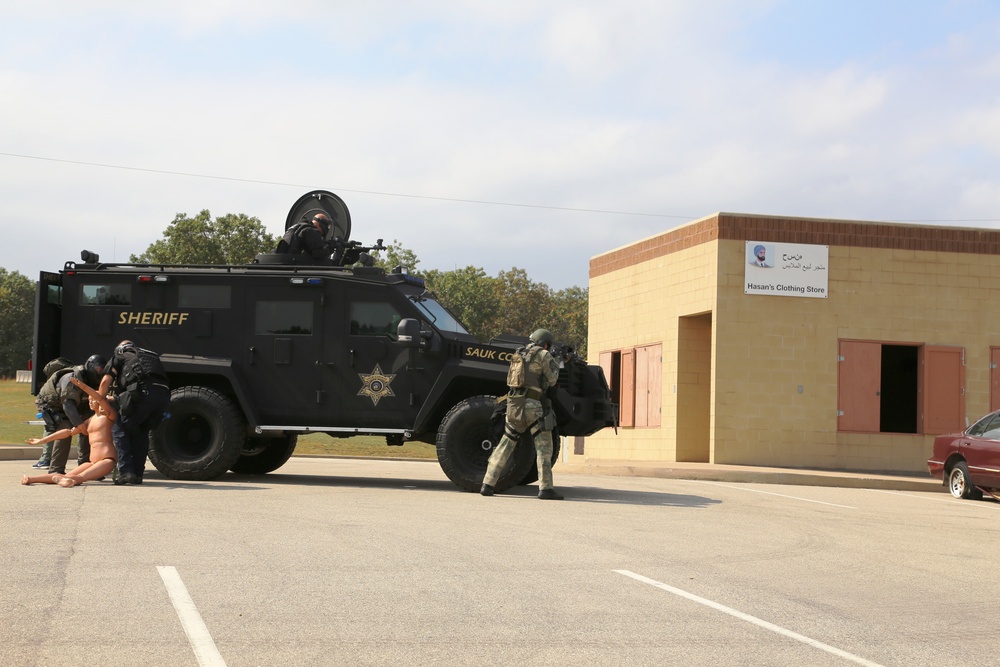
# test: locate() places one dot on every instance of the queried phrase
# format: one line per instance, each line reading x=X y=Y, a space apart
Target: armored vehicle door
x=283 y=355
x=379 y=389
x=48 y=312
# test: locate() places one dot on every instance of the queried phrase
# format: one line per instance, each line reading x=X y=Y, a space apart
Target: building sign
x=786 y=269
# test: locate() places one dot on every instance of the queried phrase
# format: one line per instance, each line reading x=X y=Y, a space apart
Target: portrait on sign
x=760 y=255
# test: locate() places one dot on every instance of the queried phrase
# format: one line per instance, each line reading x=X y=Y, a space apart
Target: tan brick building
x=850 y=348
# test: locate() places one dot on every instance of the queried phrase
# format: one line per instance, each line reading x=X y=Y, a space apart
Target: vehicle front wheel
x=203 y=437
x=465 y=441
x=960 y=484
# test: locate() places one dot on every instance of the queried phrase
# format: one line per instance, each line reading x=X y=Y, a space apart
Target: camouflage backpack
x=56 y=364
x=48 y=395
x=515 y=374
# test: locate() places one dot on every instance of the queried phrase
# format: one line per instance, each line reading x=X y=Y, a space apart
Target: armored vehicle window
x=204 y=296
x=439 y=315
x=53 y=295
x=106 y=295
x=374 y=319
x=284 y=317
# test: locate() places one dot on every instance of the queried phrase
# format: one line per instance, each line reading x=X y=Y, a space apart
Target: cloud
x=837 y=101
x=672 y=109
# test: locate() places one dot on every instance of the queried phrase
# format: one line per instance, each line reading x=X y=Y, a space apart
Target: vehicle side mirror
x=408 y=332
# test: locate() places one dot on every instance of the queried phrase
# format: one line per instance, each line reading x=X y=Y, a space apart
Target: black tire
x=960 y=484
x=465 y=441
x=203 y=437
x=264 y=455
x=532 y=475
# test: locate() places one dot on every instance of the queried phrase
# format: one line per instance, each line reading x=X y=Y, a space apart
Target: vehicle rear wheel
x=959 y=483
x=532 y=475
x=264 y=455
x=465 y=441
x=203 y=437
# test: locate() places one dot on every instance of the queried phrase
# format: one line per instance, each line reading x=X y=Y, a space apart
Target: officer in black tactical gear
x=64 y=405
x=138 y=381
x=309 y=238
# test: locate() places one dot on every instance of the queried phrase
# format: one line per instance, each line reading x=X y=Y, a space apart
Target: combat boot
x=549 y=494
x=124 y=478
x=487 y=490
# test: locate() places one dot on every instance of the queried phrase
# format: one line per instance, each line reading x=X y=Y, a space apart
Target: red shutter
x=944 y=389
x=627 y=384
x=648 y=378
x=859 y=383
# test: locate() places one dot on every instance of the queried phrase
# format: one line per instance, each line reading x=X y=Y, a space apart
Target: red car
x=969 y=462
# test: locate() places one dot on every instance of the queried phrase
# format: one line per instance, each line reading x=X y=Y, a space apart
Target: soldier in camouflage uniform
x=525 y=412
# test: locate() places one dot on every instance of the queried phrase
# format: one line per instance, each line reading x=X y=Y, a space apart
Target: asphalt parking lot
x=368 y=562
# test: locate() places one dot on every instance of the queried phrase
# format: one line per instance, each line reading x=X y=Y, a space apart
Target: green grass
x=319 y=444
x=17 y=406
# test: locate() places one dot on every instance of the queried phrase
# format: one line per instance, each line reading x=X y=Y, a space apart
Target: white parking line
x=767 y=493
x=752 y=619
x=194 y=627
x=943 y=498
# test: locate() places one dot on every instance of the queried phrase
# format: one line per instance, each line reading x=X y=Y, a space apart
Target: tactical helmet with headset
x=542 y=336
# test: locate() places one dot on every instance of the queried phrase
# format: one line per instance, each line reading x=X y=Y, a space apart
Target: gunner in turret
x=309 y=238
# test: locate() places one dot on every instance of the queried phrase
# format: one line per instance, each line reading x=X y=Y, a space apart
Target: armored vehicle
x=258 y=354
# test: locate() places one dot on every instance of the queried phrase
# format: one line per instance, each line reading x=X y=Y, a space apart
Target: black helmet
x=91 y=371
x=95 y=364
x=542 y=336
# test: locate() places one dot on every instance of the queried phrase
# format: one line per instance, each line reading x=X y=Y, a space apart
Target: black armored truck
x=260 y=353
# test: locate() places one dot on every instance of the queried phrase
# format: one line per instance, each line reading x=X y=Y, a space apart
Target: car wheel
x=959 y=483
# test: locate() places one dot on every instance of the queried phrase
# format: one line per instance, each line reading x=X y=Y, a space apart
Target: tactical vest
x=48 y=396
x=521 y=374
x=144 y=366
x=291 y=242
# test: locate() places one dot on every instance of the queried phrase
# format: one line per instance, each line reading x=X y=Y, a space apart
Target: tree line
x=509 y=303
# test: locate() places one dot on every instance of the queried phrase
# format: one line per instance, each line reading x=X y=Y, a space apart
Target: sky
x=518 y=134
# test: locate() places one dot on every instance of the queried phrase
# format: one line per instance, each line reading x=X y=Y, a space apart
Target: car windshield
x=438 y=314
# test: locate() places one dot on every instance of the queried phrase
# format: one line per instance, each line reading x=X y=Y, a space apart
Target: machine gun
x=565 y=354
x=354 y=252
